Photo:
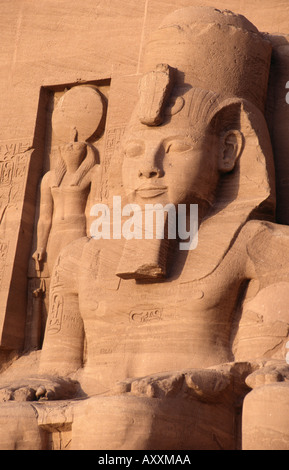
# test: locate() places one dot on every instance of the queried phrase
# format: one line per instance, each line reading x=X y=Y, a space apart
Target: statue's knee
x=19 y=428
x=140 y=423
x=266 y=418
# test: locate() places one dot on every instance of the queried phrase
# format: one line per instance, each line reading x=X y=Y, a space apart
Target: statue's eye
x=134 y=149
x=177 y=146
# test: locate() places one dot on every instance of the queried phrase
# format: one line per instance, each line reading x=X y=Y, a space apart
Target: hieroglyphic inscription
x=60 y=319
x=112 y=145
x=146 y=315
x=3 y=256
x=9 y=149
x=113 y=138
x=15 y=159
x=13 y=168
x=6 y=171
x=54 y=324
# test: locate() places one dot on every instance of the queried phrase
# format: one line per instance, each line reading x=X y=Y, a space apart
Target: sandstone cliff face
x=150 y=104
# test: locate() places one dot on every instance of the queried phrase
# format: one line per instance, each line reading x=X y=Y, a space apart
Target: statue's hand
x=39 y=254
x=270 y=373
x=42 y=388
x=203 y=385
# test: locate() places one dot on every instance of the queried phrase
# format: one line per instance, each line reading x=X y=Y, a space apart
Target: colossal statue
x=148 y=346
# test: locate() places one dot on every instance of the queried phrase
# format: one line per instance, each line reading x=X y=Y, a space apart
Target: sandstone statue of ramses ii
x=148 y=346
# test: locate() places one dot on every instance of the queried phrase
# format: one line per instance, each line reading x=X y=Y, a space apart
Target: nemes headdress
x=213 y=67
x=213 y=50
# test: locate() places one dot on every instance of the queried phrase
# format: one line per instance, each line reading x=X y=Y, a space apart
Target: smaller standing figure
x=77 y=118
x=77 y=121
x=64 y=195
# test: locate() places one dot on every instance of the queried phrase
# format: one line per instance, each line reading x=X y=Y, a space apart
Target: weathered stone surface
x=144 y=342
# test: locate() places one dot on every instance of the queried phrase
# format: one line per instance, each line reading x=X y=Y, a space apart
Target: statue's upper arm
x=267 y=247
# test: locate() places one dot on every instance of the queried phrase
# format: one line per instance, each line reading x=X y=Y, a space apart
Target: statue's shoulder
x=47 y=177
x=257 y=230
x=266 y=244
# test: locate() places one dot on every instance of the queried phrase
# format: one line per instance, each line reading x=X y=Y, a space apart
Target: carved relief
x=65 y=189
x=55 y=320
x=158 y=341
x=112 y=144
x=15 y=158
x=13 y=168
x=3 y=256
x=9 y=150
x=78 y=121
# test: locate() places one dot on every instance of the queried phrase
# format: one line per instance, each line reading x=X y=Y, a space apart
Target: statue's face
x=73 y=152
x=166 y=164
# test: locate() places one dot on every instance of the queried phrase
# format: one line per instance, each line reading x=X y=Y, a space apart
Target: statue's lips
x=148 y=191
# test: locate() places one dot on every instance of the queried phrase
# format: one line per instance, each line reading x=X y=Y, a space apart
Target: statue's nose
x=149 y=172
x=150 y=166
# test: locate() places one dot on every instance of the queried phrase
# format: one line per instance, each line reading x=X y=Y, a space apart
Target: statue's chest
x=142 y=328
x=111 y=300
x=127 y=302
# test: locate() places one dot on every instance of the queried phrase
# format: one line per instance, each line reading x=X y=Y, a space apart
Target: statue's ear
x=231 y=144
x=226 y=125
